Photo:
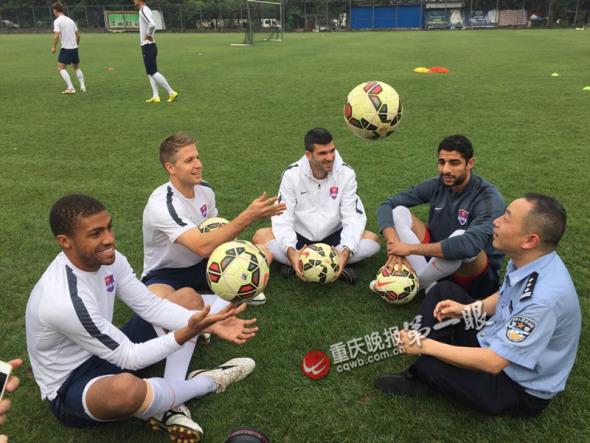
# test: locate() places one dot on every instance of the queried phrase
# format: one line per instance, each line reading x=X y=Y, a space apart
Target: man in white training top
x=147 y=29
x=91 y=371
x=323 y=206
x=65 y=28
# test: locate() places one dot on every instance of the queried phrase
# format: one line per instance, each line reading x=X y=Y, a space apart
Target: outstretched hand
x=201 y=321
x=263 y=207
x=234 y=329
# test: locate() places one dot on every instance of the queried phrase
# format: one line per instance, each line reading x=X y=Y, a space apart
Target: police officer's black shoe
x=403 y=383
x=349 y=275
x=287 y=271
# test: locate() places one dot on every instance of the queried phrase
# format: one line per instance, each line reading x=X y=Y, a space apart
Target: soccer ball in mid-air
x=395 y=288
x=237 y=270
x=319 y=263
x=212 y=223
x=373 y=110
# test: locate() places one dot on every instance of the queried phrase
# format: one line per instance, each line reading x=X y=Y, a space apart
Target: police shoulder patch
x=530 y=286
x=519 y=329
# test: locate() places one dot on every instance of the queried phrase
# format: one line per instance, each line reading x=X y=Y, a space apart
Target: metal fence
x=324 y=15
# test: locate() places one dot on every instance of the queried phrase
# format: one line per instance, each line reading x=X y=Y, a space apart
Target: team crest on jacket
x=334 y=192
x=110 y=282
x=519 y=329
x=463 y=215
x=204 y=210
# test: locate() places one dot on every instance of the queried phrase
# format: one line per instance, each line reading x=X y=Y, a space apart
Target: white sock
x=365 y=249
x=438 y=268
x=278 y=255
x=162 y=81
x=402 y=219
x=155 y=92
x=64 y=74
x=80 y=77
x=177 y=363
x=170 y=393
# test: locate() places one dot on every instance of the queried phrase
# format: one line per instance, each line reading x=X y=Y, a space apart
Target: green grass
x=249 y=108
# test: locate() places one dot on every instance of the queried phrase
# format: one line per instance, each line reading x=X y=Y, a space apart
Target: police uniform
x=473 y=209
x=167 y=215
x=319 y=209
x=536 y=327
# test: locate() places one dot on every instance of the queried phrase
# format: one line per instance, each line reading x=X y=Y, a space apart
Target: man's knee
x=263 y=236
x=267 y=252
x=187 y=298
x=117 y=396
x=402 y=215
x=368 y=235
x=131 y=392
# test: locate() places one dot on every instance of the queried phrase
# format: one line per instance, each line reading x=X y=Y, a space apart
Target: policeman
x=522 y=356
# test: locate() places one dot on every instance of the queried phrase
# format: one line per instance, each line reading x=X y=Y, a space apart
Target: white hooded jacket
x=317 y=208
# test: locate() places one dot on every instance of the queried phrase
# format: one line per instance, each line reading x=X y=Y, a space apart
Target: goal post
x=264 y=22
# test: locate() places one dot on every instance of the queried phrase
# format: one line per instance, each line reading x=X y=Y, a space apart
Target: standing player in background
x=70 y=39
x=174 y=249
x=147 y=29
x=457 y=243
x=323 y=206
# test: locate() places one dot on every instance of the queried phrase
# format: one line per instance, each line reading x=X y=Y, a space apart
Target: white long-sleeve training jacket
x=318 y=208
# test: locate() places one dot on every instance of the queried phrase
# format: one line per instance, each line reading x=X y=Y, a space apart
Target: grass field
x=249 y=108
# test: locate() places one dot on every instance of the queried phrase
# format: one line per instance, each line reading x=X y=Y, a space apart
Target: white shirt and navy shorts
x=67 y=29
x=149 y=50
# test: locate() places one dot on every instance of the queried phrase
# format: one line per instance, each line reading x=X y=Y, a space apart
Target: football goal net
x=264 y=22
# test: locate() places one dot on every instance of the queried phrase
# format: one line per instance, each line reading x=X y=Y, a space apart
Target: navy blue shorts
x=192 y=277
x=67 y=406
x=68 y=56
x=333 y=240
x=150 y=52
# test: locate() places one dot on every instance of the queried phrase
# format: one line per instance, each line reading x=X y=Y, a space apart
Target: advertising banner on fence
x=444 y=18
x=119 y=21
x=483 y=18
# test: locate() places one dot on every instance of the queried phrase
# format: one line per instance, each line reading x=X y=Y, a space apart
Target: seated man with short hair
x=518 y=360
x=323 y=206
